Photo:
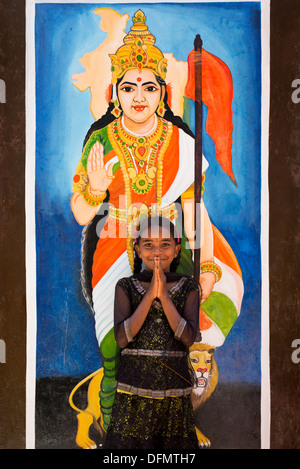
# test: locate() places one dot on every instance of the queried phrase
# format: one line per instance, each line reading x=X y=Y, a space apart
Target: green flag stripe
x=221 y=310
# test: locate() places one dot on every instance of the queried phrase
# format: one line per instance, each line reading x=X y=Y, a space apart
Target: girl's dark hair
x=89 y=237
x=149 y=223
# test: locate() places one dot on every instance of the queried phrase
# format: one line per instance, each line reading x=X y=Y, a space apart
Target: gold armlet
x=211 y=267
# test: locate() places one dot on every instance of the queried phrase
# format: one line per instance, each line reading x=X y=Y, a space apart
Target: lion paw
x=204 y=444
x=82 y=437
x=86 y=444
x=203 y=441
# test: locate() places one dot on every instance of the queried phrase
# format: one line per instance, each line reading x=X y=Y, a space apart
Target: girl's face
x=157 y=243
x=139 y=95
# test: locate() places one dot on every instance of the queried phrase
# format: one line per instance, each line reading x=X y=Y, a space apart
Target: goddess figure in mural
x=138 y=160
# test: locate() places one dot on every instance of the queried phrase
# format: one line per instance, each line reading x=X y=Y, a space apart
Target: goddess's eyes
x=151 y=88
x=127 y=89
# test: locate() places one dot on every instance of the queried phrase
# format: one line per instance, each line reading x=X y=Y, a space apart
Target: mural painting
x=118 y=142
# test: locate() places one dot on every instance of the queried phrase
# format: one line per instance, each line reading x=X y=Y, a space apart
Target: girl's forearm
x=170 y=311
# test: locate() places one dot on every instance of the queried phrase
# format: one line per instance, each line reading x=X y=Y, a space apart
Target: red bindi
x=139 y=79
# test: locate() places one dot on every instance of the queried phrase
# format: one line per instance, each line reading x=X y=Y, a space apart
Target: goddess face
x=139 y=96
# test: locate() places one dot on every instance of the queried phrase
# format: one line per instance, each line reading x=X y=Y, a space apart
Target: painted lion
x=207 y=374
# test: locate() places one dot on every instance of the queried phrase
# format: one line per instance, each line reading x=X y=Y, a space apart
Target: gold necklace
x=141 y=161
x=140 y=152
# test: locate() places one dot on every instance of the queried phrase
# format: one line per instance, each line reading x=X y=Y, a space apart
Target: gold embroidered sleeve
x=80 y=179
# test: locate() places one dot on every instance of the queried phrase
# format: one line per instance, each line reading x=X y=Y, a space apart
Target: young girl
x=156 y=319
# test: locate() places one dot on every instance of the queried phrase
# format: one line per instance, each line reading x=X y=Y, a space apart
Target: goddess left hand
x=207 y=281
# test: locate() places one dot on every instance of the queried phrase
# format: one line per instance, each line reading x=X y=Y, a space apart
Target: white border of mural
x=30 y=211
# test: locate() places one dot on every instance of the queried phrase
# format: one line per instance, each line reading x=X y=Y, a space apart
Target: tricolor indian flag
x=220 y=311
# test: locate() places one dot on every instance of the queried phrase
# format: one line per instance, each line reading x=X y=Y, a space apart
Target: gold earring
x=116 y=111
x=161 y=108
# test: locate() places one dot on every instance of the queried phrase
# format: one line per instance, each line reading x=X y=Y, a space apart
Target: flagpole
x=198 y=153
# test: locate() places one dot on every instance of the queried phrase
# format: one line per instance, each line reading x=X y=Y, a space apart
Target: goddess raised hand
x=99 y=179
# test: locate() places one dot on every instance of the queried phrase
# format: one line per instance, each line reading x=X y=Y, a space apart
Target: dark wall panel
x=284 y=176
x=12 y=232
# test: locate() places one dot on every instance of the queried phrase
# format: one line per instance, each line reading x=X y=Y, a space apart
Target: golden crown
x=138 y=51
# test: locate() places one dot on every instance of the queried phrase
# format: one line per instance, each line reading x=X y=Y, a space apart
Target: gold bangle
x=92 y=199
x=211 y=267
x=102 y=195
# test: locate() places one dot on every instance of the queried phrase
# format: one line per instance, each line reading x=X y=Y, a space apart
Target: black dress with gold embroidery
x=152 y=408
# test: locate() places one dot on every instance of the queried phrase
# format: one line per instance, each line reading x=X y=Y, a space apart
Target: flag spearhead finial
x=198 y=42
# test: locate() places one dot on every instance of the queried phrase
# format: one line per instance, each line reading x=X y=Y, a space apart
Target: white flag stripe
x=103 y=296
x=230 y=285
